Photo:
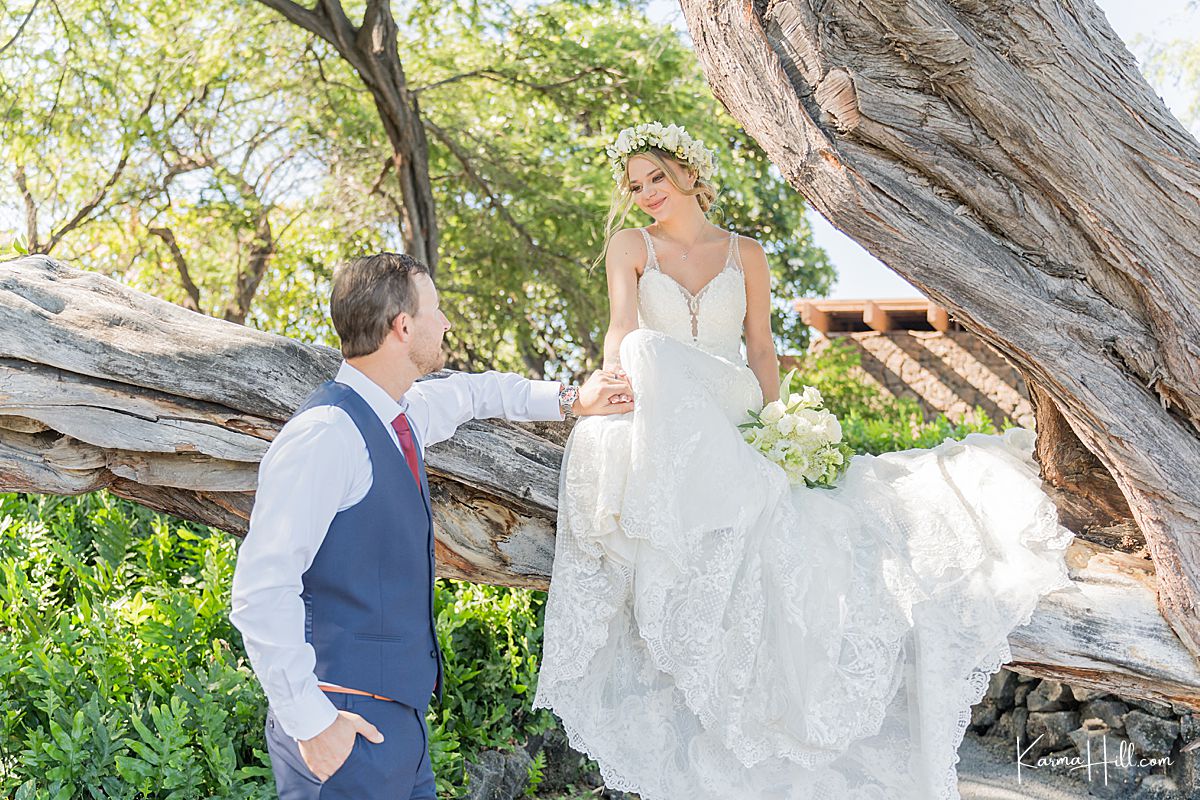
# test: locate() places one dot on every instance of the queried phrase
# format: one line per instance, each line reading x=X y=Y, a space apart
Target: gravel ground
x=985 y=772
x=988 y=771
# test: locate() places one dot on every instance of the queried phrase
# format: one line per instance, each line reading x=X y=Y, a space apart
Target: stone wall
x=1061 y=729
x=946 y=373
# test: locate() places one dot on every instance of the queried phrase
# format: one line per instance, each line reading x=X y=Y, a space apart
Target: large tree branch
x=311 y=21
x=192 y=303
x=371 y=49
x=1011 y=162
x=105 y=388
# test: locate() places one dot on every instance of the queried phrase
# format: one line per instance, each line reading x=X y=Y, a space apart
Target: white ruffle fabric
x=713 y=632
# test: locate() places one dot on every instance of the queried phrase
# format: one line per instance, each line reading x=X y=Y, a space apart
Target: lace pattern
x=712 y=632
x=723 y=300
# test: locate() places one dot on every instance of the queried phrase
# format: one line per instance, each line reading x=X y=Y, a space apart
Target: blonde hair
x=622 y=198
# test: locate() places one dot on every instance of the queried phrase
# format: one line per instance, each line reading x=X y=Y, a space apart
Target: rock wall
x=1135 y=748
x=946 y=373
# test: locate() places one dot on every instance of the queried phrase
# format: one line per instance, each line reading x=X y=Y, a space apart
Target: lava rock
x=984 y=715
x=1049 y=731
x=1162 y=710
x=1002 y=690
x=1110 y=712
x=1011 y=727
x=1050 y=696
x=565 y=766
x=1153 y=736
x=498 y=776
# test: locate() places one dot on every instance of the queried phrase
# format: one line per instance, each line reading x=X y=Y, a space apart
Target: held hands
x=604 y=392
x=326 y=752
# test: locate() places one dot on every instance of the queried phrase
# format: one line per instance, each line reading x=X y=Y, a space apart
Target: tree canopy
x=224 y=158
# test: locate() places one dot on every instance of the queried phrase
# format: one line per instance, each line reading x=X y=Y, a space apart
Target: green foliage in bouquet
x=799 y=435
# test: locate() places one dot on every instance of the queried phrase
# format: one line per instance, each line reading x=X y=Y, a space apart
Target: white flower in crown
x=672 y=138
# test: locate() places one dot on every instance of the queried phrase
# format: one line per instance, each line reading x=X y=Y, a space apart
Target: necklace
x=684 y=255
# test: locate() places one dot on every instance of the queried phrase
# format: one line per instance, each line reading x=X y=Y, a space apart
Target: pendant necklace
x=684 y=255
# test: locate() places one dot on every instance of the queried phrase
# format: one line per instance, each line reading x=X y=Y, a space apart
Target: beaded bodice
x=710 y=319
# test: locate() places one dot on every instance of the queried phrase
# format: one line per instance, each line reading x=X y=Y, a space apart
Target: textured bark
x=1009 y=160
x=101 y=387
x=106 y=388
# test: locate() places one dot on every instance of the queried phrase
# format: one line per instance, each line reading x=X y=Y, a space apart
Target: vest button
x=433 y=654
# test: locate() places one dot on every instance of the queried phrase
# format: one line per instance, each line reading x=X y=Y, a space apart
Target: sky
x=861 y=275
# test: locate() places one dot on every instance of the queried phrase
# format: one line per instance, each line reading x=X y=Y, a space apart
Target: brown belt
x=344 y=690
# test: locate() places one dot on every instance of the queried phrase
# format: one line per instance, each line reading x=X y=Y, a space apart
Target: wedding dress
x=713 y=632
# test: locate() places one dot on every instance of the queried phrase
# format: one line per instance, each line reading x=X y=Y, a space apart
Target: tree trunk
x=371 y=49
x=1008 y=159
x=103 y=387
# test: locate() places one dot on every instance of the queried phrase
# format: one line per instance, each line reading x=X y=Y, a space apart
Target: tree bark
x=104 y=388
x=1009 y=160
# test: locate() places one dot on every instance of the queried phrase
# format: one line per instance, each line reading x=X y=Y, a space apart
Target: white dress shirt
x=317 y=466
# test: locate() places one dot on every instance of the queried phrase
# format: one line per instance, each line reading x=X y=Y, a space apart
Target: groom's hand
x=326 y=752
x=604 y=392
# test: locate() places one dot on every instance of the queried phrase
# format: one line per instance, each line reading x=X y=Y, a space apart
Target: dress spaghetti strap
x=735 y=251
x=651 y=256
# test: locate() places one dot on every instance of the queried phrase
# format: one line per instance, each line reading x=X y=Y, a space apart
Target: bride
x=714 y=632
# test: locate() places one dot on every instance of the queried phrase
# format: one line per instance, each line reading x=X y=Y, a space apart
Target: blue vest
x=368 y=595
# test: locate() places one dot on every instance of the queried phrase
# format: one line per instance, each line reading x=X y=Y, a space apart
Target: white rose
x=812 y=396
x=810 y=421
x=773 y=412
x=786 y=424
x=833 y=429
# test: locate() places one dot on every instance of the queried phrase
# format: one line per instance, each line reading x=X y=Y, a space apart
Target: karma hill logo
x=1097 y=758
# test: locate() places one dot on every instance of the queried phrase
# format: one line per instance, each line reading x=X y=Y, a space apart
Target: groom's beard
x=429 y=360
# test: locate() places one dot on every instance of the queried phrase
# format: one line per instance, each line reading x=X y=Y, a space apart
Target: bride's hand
x=605 y=392
x=621 y=375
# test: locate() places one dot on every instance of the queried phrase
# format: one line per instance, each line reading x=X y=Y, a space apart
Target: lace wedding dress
x=713 y=632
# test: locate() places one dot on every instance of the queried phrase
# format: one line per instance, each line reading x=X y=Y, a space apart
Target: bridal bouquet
x=800 y=436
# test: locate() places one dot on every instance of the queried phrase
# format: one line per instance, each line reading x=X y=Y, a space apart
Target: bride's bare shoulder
x=627 y=250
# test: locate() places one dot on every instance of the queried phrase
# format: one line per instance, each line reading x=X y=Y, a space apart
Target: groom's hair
x=368 y=294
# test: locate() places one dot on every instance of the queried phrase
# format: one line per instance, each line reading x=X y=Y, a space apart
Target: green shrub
x=872 y=420
x=491 y=637
x=121 y=675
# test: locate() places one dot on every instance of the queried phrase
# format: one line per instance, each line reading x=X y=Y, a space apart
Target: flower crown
x=672 y=138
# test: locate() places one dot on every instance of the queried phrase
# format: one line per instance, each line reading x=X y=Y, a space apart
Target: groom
x=333 y=590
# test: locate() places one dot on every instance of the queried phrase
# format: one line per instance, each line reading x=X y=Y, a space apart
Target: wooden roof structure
x=896 y=314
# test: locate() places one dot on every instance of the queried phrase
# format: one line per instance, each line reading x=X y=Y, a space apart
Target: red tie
x=400 y=423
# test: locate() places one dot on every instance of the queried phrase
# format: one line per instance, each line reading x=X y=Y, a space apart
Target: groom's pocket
x=283 y=747
x=378 y=637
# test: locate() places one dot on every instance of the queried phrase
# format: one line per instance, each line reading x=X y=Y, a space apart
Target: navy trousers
x=398 y=768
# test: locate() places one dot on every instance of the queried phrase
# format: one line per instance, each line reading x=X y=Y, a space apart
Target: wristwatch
x=566 y=399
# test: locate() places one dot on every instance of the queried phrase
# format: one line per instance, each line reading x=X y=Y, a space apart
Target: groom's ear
x=402 y=326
